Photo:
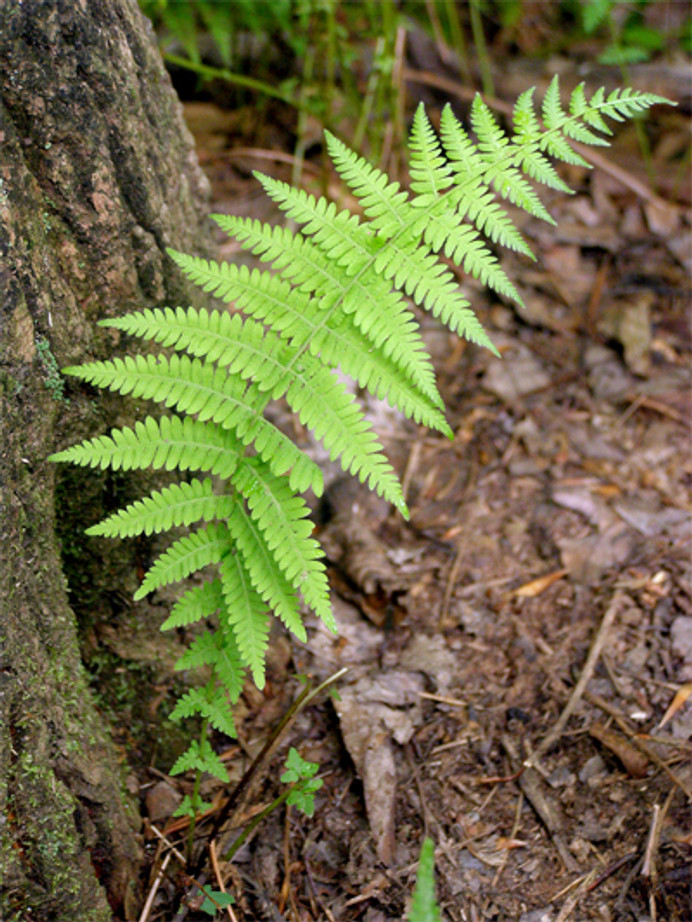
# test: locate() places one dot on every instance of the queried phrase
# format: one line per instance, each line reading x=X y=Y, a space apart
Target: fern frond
x=337 y=297
x=202 y=758
x=310 y=322
x=505 y=178
x=282 y=517
x=216 y=649
x=196 y=604
x=386 y=206
x=527 y=128
x=185 y=556
x=191 y=386
x=434 y=287
x=323 y=404
x=179 y=504
x=431 y=173
x=245 y=614
x=338 y=232
x=164 y=444
x=266 y=575
x=211 y=703
x=313 y=393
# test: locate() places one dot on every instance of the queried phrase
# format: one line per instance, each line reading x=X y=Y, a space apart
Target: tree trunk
x=97 y=177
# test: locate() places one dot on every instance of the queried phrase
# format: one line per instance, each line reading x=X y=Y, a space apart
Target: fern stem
x=255 y=821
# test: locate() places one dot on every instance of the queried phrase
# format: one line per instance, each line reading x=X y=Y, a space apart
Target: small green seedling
x=424 y=906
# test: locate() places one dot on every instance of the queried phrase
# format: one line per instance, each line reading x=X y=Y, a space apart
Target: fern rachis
x=336 y=297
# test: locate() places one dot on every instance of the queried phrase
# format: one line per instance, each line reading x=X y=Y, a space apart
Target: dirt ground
x=519 y=653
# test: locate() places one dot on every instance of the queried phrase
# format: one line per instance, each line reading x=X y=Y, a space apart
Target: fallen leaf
x=634 y=762
x=537 y=586
x=681 y=696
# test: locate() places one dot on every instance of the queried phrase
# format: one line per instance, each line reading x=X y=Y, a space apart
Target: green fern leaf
x=424 y=906
x=180 y=504
x=337 y=232
x=196 y=604
x=245 y=614
x=507 y=181
x=553 y=114
x=470 y=199
x=386 y=206
x=218 y=650
x=210 y=703
x=209 y=334
x=308 y=321
x=431 y=174
x=266 y=575
x=337 y=296
x=282 y=516
x=202 y=758
x=211 y=393
x=164 y=444
x=185 y=556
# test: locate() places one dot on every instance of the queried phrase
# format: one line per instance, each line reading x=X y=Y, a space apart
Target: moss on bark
x=97 y=177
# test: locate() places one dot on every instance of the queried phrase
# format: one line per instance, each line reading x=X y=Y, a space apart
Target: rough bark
x=97 y=177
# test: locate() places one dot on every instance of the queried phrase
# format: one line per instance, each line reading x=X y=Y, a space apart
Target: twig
x=659 y=815
x=219 y=879
x=513 y=835
x=306 y=696
x=597 y=645
x=573 y=900
x=411 y=466
x=604 y=705
x=649 y=866
x=543 y=803
x=451 y=582
x=167 y=842
x=146 y=909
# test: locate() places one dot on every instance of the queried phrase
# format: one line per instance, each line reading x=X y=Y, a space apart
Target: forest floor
x=519 y=653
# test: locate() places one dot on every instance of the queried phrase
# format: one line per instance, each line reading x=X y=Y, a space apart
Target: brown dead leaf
x=537 y=586
x=371 y=712
x=630 y=324
x=634 y=762
x=680 y=698
x=662 y=217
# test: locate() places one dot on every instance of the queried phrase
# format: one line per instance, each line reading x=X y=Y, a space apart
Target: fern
x=340 y=295
x=424 y=907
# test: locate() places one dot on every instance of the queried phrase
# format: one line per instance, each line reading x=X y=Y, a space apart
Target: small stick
x=451 y=582
x=219 y=879
x=649 y=867
x=597 y=645
x=146 y=909
x=548 y=810
x=411 y=465
x=572 y=901
x=167 y=842
x=653 y=756
x=513 y=835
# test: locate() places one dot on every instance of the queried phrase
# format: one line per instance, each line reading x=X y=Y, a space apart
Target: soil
x=519 y=653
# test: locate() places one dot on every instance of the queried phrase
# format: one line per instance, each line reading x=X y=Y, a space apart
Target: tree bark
x=97 y=176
